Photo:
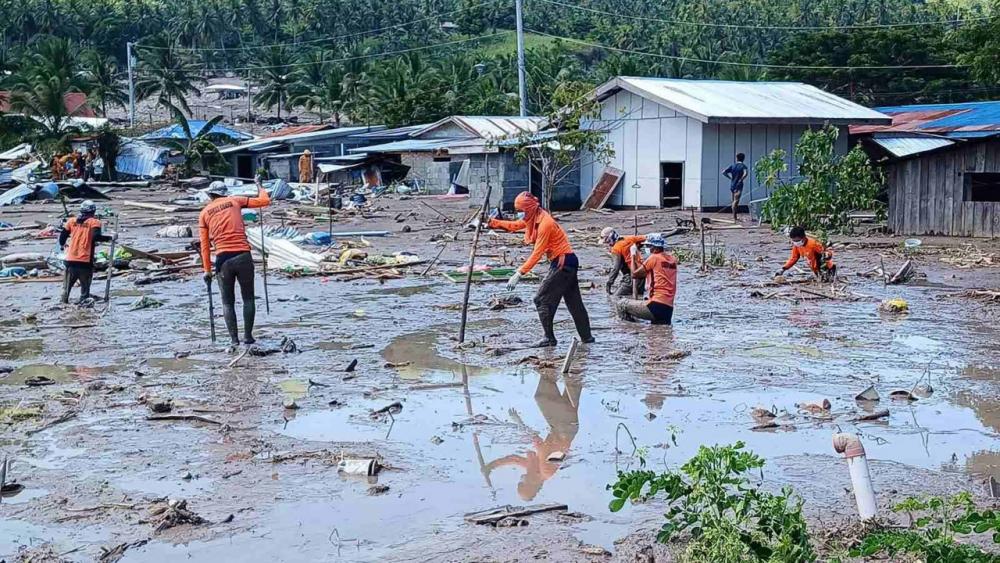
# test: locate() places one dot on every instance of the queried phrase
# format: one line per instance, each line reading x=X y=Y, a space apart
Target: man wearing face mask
x=820 y=259
x=561 y=283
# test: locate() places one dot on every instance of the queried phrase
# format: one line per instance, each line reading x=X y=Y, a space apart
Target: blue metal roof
x=175 y=131
x=963 y=120
x=141 y=159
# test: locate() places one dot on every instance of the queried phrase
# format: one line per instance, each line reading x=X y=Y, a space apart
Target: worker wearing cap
x=220 y=226
x=561 y=283
x=306 y=167
x=819 y=258
x=83 y=233
x=660 y=271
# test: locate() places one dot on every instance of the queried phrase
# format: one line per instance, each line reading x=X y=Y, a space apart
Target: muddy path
x=480 y=425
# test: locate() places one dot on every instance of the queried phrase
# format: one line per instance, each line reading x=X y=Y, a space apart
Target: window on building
x=982 y=186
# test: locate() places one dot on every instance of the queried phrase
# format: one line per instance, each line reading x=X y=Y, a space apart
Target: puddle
x=294 y=388
x=405 y=291
x=55 y=372
x=130 y=292
x=420 y=350
x=20 y=349
x=178 y=364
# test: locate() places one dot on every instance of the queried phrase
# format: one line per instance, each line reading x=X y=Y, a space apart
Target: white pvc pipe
x=861 y=479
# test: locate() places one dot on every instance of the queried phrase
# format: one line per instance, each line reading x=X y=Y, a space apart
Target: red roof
x=76 y=104
x=297 y=130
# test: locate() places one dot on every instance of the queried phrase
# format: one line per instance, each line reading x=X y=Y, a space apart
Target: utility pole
x=522 y=89
x=131 y=86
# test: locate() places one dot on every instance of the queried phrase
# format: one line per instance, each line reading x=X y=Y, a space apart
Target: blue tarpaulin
x=175 y=132
x=141 y=160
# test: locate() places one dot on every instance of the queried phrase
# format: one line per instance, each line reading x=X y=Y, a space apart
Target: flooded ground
x=479 y=424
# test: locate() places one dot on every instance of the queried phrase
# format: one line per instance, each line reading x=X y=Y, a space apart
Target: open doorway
x=671 y=183
x=244 y=166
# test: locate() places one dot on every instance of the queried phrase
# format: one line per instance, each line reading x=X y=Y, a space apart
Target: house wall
x=927 y=193
x=721 y=142
x=644 y=134
x=497 y=166
x=433 y=176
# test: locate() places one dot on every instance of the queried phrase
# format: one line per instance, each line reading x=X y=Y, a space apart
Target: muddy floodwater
x=480 y=425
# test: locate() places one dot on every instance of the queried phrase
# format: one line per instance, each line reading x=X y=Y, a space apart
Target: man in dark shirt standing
x=737 y=173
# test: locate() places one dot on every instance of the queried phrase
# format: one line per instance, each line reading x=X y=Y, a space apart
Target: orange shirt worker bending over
x=820 y=259
x=561 y=283
x=220 y=226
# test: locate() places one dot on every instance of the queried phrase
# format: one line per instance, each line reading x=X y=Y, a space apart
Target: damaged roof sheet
x=723 y=101
x=412 y=145
x=902 y=145
x=487 y=127
x=175 y=131
x=957 y=121
x=141 y=159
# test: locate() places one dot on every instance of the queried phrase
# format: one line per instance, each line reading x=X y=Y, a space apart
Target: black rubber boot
x=546 y=317
x=249 y=313
x=229 y=314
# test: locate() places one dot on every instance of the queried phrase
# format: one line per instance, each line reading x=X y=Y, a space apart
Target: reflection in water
x=418 y=353
x=560 y=410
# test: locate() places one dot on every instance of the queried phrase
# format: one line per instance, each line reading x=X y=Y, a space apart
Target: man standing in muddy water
x=561 y=283
x=220 y=225
x=83 y=233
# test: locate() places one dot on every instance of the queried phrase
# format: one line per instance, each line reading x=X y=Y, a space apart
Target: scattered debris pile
x=171 y=513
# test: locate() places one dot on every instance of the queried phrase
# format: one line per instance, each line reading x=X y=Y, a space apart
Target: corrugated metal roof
x=411 y=145
x=174 y=131
x=297 y=130
x=396 y=133
x=268 y=143
x=141 y=159
x=487 y=127
x=22 y=150
x=908 y=145
x=722 y=101
x=957 y=121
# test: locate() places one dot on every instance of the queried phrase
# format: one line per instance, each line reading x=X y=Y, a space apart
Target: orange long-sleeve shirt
x=221 y=224
x=551 y=240
x=661 y=277
x=813 y=251
x=621 y=248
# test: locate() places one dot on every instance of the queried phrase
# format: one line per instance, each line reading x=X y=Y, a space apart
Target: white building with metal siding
x=673 y=138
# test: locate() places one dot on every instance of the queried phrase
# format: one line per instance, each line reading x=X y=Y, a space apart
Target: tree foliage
x=828 y=187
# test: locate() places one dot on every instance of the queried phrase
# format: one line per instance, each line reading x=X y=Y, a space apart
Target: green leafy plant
x=935 y=523
x=830 y=188
x=197 y=147
x=728 y=518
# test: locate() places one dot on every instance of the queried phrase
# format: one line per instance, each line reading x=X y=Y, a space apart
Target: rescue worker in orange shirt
x=620 y=255
x=83 y=233
x=561 y=283
x=819 y=258
x=220 y=227
x=660 y=271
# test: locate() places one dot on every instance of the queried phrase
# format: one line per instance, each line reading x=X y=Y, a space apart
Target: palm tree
x=197 y=147
x=276 y=78
x=102 y=72
x=310 y=77
x=165 y=72
x=44 y=78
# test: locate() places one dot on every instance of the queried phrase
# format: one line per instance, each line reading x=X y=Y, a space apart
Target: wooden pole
x=263 y=256
x=704 y=262
x=635 y=232
x=472 y=255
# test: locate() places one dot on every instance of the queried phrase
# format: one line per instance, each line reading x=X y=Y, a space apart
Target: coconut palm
x=105 y=88
x=42 y=82
x=165 y=72
x=276 y=79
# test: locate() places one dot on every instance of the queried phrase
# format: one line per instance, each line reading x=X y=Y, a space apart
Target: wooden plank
x=937 y=207
x=913 y=196
x=925 y=196
x=948 y=188
x=605 y=186
x=968 y=218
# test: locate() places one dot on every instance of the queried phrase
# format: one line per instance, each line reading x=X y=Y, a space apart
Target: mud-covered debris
x=765 y=425
x=113 y=554
x=762 y=414
x=876 y=415
x=594 y=550
x=395 y=365
x=870 y=395
x=556 y=456
x=650 y=416
x=672 y=355
x=184 y=354
x=376 y=490
x=145 y=302
x=437 y=440
x=38 y=381
x=172 y=513
x=350 y=367
x=187 y=476
x=336 y=403
x=288 y=345
x=390 y=409
x=290 y=404
x=493 y=516
x=10 y=489
x=923 y=390
x=160 y=405
x=511 y=522
x=40 y=553
x=539 y=362
x=502 y=302
x=902 y=395
x=816 y=407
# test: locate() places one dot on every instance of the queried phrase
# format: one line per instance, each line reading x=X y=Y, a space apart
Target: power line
x=345 y=59
x=742 y=64
x=322 y=39
x=768 y=27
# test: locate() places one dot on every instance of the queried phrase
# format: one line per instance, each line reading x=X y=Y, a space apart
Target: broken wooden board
x=494 y=515
x=603 y=189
